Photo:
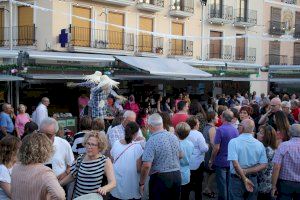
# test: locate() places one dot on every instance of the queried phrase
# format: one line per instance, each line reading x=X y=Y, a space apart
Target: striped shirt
x=89 y=175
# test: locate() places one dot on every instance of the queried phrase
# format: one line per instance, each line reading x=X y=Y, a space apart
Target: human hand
x=102 y=191
x=142 y=187
x=248 y=185
x=62 y=176
x=273 y=192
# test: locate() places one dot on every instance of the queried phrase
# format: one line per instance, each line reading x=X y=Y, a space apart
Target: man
x=41 y=112
x=182 y=114
x=63 y=157
x=224 y=134
x=161 y=155
x=6 y=123
x=295 y=109
x=240 y=98
x=286 y=170
x=247 y=156
x=118 y=132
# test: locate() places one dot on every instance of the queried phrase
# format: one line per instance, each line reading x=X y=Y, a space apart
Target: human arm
x=214 y=153
x=66 y=180
x=64 y=174
x=275 y=175
x=248 y=184
x=158 y=106
x=139 y=165
x=202 y=144
x=6 y=188
x=109 y=172
x=264 y=118
x=17 y=125
x=53 y=187
x=255 y=169
x=212 y=134
x=146 y=166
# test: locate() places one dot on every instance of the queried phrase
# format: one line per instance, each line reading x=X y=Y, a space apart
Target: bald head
x=227 y=116
x=247 y=126
x=275 y=104
x=295 y=130
x=45 y=101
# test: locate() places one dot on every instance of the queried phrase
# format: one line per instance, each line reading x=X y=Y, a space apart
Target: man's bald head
x=247 y=125
x=275 y=104
x=227 y=116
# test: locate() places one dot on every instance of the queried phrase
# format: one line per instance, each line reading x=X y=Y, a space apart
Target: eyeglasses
x=91 y=144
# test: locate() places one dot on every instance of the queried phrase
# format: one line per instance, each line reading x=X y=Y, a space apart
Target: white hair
x=128 y=113
x=295 y=130
x=286 y=104
x=48 y=121
x=155 y=120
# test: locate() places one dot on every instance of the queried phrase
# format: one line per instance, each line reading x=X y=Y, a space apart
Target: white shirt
x=40 y=114
x=125 y=170
x=200 y=147
x=62 y=156
x=5 y=177
x=240 y=99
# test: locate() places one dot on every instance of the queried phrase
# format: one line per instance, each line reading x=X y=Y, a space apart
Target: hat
x=101 y=80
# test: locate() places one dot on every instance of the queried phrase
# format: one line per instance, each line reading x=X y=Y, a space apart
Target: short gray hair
x=128 y=113
x=295 y=130
x=45 y=99
x=48 y=121
x=286 y=104
x=228 y=115
x=155 y=120
x=5 y=106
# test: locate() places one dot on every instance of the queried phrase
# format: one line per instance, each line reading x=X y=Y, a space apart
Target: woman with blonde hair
x=92 y=166
x=21 y=119
x=31 y=179
x=9 y=147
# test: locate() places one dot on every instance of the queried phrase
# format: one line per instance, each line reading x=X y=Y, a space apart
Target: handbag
x=75 y=181
x=115 y=160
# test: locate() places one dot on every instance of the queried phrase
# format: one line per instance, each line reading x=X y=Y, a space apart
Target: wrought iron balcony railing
x=220 y=12
x=159 y=3
x=274 y=59
x=183 y=5
x=245 y=54
x=22 y=36
x=102 y=39
x=277 y=28
x=223 y=52
x=290 y=1
x=181 y=47
x=245 y=17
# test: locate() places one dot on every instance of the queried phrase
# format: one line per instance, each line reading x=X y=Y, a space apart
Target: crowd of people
x=156 y=148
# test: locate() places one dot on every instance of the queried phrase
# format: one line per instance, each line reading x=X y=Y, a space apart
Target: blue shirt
x=162 y=149
x=187 y=149
x=247 y=150
x=6 y=121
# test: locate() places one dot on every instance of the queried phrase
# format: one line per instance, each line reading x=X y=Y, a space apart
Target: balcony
x=297 y=31
x=277 y=28
x=217 y=52
x=182 y=8
x=181 y=47
x=296 y=60
x=220 y=14
x=247 y=19
x=245 y=54
x=150 y=5
x=150 y=44
x=22 y=36
x=289 y=1
x=117 y=2
x=274 y=59
x=102 y=39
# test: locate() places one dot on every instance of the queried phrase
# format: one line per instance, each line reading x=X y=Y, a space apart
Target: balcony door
x=146 y=40
x=215 y=47
x=274 y=51
x=81 y=31
x=296 y=60
x=275 y=26
x=216 y=9
x=116 y=34
x=177 y=44
x=2 y=26
x=240 y=48
x=242 y=10
x=297 y=24
x=26 y=32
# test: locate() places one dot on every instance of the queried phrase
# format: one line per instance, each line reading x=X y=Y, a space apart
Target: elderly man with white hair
x=247 y=157
x=161 y=161
x=118 y=132
x=286 y=170
x=41 y=112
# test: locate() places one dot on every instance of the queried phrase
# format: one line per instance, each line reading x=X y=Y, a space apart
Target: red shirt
x=219 y=123
x=295 y=113
x=179 y=117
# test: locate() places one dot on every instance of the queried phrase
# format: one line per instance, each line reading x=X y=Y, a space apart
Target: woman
x=9 y=146
x=92 y=166
x=267 y=135
x=186 y=146
x=31 y=179
x=235 y=121
x=166 y=105
x=209 y=133
x=132 y=105
x=282 y=127
x=30 y=127
x=167 y=122
x=126 y=155
x=159 y=103
x=245 y=112
x=21 y=119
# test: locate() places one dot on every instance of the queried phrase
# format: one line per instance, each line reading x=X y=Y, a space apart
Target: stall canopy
x=62 y=56
x=166 y=67
x=10 y=78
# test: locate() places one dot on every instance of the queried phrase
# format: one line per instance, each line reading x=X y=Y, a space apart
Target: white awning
x=64 y=56
x=5 y=53
x=55 y=76
x=285 y=80
x=10 y=78
x=163 y=67
x=243 y=65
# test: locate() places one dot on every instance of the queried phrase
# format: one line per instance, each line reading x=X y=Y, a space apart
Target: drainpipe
x=10 y=25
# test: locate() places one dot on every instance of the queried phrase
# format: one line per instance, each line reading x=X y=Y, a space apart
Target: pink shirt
x=179 y=117
x=21 y=120
x=82 y=101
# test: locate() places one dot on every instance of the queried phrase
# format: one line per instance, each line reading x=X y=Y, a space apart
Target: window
x=81 y=31
x=240 y=48
x=177 y=44
x=115 y=34
x=215 y=46
x=26 y=33
x=146 y=40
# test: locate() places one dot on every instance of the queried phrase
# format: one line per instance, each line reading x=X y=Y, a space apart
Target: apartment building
x=282 y=53
x=88 y=32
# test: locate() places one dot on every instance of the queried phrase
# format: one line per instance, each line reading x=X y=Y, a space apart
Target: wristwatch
x=141 y=184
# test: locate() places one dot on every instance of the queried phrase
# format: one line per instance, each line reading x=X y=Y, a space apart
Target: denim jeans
x=222 y=178
x=237 y=189
x=288 y=190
